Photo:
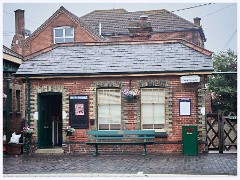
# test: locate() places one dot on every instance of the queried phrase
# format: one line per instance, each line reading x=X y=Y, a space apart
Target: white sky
x=219 y=20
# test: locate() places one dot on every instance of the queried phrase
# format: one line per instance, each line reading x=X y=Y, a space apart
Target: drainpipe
x=28 y=100
x=8 y=79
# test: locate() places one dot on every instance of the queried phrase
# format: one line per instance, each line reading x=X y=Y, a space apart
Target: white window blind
x=109 y=109
x=153 y=108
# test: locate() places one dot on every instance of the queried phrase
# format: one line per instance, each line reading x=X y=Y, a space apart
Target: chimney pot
x=197 y=21
x=143 y=18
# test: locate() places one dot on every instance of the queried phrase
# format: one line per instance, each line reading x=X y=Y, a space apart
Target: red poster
x=79 y=109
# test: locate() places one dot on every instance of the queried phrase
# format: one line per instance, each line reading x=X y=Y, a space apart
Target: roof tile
x=120 y=58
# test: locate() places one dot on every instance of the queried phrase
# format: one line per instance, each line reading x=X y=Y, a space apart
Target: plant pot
x=129 y=98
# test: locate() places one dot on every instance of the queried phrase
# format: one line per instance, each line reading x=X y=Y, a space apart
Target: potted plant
x=27 y=132
x=131 y=94
x=69 y=130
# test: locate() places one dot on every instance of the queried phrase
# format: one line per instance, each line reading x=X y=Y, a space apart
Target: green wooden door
x=44 y=122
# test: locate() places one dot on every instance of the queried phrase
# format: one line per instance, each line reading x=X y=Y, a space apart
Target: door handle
x=45 y=127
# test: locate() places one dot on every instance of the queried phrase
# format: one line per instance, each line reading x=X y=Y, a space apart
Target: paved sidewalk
x=119 y=165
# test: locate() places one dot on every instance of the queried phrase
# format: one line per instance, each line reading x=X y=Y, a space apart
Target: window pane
x=148 y=126
x=147 y=110
x=103 y=120
x=69 y=32
x=115 y=110
x=69 y=39
x=159 y=109
x=103 y=111
x=109 y=109
x=103 y=127
x=153 y=108
x=115 y=126
x=58 y=32
x=59 y=40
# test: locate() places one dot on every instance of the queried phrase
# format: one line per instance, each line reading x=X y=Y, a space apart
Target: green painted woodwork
x=190 y=140
x=46 y=106
x=28 y=100
x=8 y=79
x=139 y=137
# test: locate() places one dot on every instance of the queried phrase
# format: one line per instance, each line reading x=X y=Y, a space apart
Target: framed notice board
x=185 y=107
x=78 y=111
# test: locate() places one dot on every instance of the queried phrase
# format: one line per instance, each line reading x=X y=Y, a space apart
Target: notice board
x=185 y=107
x=78 y=111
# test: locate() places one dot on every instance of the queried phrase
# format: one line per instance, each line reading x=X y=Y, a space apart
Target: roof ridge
x=156 y=10
x=104 y=10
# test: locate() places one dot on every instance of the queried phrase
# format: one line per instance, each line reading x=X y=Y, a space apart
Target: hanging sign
x=190 y=79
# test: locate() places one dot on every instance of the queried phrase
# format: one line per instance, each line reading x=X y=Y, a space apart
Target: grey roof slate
x=117 y=58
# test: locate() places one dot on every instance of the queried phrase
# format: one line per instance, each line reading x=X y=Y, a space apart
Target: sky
x=218 y=19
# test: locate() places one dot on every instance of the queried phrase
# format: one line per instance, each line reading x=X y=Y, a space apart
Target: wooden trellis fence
x=221 y=131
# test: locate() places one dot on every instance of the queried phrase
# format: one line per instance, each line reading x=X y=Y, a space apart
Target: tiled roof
x=117 y=20
x=86 y=59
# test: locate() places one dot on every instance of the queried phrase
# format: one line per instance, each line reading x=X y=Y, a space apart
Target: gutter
x=124 y=74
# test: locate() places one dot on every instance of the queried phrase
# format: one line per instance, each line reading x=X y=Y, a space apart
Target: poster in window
x=79 y=109
x=185 y=107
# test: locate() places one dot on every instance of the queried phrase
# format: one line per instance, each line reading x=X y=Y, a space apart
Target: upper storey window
x=63 y=34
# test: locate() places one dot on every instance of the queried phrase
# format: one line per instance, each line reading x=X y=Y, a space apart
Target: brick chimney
x=197 y=21
x=140 y=29
x=19 y=22
x=19 y=31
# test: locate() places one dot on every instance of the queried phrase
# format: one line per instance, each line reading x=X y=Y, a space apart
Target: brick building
x=68 y=58
x=81 y=74
x=105 y=25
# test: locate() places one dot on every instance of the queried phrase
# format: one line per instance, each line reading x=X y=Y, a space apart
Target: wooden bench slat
x=99 y=138
x=119 y=143
x=122 y=132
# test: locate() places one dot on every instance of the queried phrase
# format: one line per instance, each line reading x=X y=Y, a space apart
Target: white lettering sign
x=190 y=79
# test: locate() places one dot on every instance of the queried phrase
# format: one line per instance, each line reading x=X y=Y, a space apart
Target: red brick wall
x=45 y=38
x=131 y=115
x=191 y=36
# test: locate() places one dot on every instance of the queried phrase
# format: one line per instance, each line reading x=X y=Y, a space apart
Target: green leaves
x=224 y=86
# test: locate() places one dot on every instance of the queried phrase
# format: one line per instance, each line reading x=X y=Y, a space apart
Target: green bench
x=117 y=137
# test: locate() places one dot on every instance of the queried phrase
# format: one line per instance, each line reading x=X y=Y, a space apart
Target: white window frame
x=108 y=104
x=158 y=102
x=64 y=36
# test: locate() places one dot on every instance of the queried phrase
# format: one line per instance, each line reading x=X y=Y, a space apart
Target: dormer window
x=63 y=34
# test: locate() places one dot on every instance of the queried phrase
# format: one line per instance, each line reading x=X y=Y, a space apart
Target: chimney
x=143 y=18
x=197 y=21
x=19 y=22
